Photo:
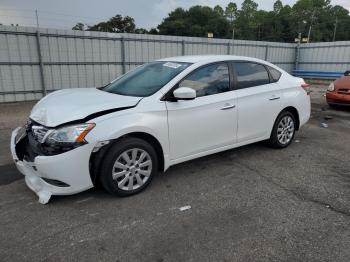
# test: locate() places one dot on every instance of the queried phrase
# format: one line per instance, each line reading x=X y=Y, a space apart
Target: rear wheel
x=129 y=167
x=283 y=130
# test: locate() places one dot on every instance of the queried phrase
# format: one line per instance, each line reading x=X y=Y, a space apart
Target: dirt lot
x=248 y=204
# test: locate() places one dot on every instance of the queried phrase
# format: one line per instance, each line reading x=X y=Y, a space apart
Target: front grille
x=39 y=133
x=344 y=91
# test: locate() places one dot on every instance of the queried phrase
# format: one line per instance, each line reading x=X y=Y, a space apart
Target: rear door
x=258 y=100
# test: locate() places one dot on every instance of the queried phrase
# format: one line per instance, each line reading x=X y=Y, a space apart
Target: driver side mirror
x=185 y=93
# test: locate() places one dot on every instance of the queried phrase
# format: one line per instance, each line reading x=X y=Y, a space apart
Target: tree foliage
x=231 y=12
x=116 y=24
x=196 y=21
x=283 y=23
x=79 y=26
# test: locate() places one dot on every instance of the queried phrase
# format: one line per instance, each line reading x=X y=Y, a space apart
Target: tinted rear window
x=250 y=74
x=275 y=74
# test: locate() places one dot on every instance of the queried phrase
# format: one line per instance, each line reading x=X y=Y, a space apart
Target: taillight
x=306 y=87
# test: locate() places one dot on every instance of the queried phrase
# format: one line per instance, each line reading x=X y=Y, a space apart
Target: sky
x=64 y=14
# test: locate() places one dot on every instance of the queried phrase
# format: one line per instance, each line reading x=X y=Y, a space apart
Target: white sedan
x=155 y=116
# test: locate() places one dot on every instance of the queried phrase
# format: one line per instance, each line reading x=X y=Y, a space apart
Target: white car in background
x=155 y=116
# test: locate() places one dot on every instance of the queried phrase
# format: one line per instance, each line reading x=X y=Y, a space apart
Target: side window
x=276 y=75
x=209 y=80
x=250 y=74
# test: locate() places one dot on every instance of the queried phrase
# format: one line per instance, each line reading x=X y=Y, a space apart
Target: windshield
x=146 y=79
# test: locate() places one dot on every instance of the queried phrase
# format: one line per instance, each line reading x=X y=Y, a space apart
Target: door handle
x=274 y=98
x=227 y=106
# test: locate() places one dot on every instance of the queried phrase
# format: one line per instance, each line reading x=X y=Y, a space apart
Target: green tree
x=196 y=21
x=260 y=26
x=141 y=31
x=79 y=26
x=278 y=25
x=219 y=10
x=277 y=7
x=175 y=23
x=314 y=14
x=339 y=23
x=282 y=23
x=231 y=12
x=246 y=23
x=153 y=31
x=249 y=8
x=116 y=24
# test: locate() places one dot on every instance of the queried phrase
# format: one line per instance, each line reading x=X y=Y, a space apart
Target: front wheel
x=129 y=167
x=283 y=130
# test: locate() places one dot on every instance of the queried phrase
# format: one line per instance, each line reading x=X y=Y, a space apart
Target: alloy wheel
x=132 y=169
x=285 y=130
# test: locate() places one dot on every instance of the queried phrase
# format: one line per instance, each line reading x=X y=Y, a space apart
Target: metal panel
x=73 y=59
x=329 y=56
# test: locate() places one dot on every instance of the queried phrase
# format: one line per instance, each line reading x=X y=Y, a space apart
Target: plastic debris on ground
x=184 y=208
x=297 y=141
x=324 y=125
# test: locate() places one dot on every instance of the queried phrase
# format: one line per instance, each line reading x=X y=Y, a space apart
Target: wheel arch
x=295 y=113
x=96 y=158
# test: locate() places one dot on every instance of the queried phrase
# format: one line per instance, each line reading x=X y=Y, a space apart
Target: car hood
x=77 y=104
x=342 y=83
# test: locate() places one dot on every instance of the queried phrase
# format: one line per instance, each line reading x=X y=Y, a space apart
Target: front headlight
x=331 y=87
x=74 y=134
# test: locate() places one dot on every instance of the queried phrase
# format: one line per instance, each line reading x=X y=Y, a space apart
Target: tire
x=128 y=167
x=283 y=138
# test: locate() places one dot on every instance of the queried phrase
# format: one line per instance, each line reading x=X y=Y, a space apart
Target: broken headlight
x=74 y=134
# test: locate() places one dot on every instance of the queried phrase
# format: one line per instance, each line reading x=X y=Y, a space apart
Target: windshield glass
x=146 y=79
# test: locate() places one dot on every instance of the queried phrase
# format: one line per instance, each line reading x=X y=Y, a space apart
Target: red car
x=338 y=92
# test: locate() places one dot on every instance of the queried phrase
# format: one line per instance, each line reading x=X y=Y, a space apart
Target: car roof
x=210 y=58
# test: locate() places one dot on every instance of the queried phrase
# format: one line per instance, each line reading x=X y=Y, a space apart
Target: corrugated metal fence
x=330 y=56
x=33 y=62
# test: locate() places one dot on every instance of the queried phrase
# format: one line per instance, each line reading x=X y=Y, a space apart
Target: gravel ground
x=248 y=204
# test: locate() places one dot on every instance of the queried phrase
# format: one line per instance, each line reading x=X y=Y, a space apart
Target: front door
x=207 y=122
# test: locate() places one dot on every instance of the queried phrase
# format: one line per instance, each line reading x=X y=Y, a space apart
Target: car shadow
x=340 y=108
x=163 y=180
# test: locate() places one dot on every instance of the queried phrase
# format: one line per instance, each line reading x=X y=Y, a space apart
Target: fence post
x=297 y=56
x=183 y=47
x=228 y=48
x=41 y=64
x=266 y=52
x=122 y=50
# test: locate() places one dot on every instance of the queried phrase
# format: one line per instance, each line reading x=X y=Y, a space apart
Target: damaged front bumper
x=63 y=174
